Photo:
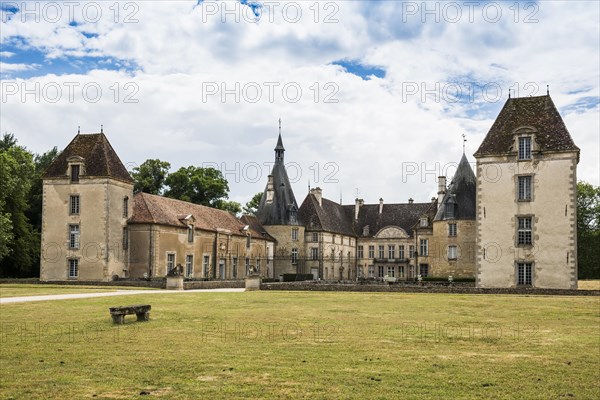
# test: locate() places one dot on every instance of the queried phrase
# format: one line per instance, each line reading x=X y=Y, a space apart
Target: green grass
x=17 y=290
x=304 y=345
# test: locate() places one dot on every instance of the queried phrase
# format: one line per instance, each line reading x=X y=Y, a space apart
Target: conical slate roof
x=460 y=194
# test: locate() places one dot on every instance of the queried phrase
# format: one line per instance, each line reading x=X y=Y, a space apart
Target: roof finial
x=78 y=129
x=280 y=125
x=309 y=186
x=340 y=198
x=547 y=90
x=101 y=128
x=464 y=142
x=509 y=93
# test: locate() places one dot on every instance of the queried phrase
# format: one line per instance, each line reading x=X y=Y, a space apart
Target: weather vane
x=280 y=125
x=464 y=142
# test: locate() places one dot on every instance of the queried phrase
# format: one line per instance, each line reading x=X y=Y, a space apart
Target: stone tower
x=88 y=196
x=526 y=198
x=278 y=213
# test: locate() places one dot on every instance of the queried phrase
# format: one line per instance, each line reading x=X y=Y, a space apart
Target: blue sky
x=370 y=88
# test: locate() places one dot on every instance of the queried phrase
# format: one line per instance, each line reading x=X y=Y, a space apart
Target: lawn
x=17 y=290
x=283 y=345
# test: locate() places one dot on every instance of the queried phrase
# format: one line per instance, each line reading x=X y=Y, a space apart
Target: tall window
x=524 y=231
x=411 y=251
x=294 y=256
x=524 y=273
x=125 y=207
x=74 y=236
x=401 y=271
x=371 y=271
x=449 y=209
x=189 y=265
x=359 y=252
x=248 y=241
x=371 y=251
x=401 y=252
x=525 y=188
x=381 y=251
x=452 y=253
x=424 y=270
x=392 y=251
x=391 y=271
x=234 y=267
x=257 y=265
x=294 y=233
x=525 y=148
x=314 y=253
x=424 y=251
x=205 y=265
x=452 y=229
x=125 y=238
x=380 y=271
x=247 y=266
x=170 y=262
x=73 y=268
x=190 y=233
x=75 y=173
x=74 y=204
x=315 y=237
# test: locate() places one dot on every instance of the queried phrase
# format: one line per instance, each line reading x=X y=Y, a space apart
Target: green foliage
x=232 y=206
x=588 y=230
x=20 y=245
x=150 y=176
x=251 y=207
x=205 y=186
x=41 y=162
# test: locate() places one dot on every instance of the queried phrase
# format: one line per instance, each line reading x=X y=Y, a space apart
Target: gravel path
x=23 y=299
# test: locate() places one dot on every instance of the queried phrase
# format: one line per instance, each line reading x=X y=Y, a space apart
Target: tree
x=588 y=230
x=232 y=206
x=40 y=162
x=204 y=186
x=150 y=176
x=21 y=249
x=251 y=207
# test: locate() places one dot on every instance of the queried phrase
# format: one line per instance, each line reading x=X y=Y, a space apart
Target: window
x=333 y=239
x=294 y=256
x=74 y=204
x=371 y=271
x=125 y=207
x=423 y=270
x=314 y=253
x=381 y=251
x=205 y=265
x=424 y=247
x=452 y=253
x=73 y=268
x=359 y=252
x=401 y=271
x=380 y=271
x=189 y=265
x=170 y=261
x=525 y=148
x=524 y=274
x=401 y=252
x=294 y=233
x=371 y=251
x=75 y=173
x=190 y=233
x=411 y=251
x=293 y=216
x=392 y=252
x=449 y=209
x=424 y=222
x=525 y=188
x=524 y=231
x=391 y=272
x=74 y=236
x=452 y=229
x=248 y=241
x=234 y=266
x=125 y=238
x=257 y=265
x=315 y=237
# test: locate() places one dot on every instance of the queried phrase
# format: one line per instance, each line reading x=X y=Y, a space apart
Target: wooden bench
x=142 y=311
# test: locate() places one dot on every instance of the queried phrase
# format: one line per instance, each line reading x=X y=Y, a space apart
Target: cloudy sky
x=374 y=96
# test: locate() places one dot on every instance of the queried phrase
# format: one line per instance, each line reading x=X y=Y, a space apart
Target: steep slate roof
x=100 y=159
x=329 y=217
x=462 y=191
x=276 y=212
x=255 y=226
x=538 y=112
x=152 y=209
x=405 y=216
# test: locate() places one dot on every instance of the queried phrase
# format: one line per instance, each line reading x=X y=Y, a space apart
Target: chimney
x=380 y=205
x=410 y=201
x=441 y=188
x=318 y=193
x=357 y=204
x=270 y=190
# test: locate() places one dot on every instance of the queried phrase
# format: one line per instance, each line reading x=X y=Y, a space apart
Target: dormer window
x=190 y=233
x=75 y=170
x=525 y=148
x=450 y=209
x=424 y=222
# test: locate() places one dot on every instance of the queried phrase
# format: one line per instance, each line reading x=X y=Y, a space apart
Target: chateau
x=512 y=224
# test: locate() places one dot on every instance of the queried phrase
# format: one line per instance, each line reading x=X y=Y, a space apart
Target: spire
x=279 y=149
